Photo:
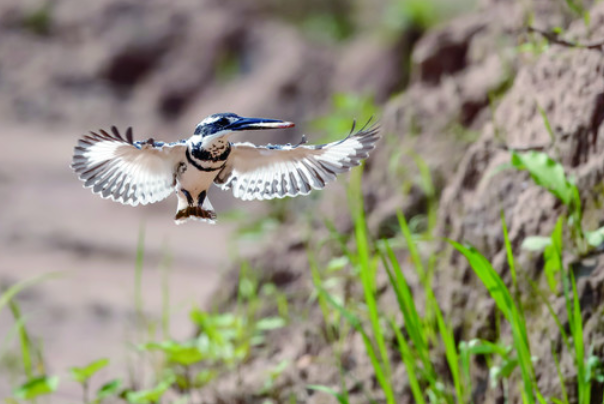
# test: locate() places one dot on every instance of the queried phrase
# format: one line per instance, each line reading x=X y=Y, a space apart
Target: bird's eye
x=223 y=122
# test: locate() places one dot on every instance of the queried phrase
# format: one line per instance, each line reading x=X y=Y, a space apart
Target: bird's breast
x=196 y=181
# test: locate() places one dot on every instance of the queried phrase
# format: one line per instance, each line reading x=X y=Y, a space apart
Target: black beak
x=259 y=123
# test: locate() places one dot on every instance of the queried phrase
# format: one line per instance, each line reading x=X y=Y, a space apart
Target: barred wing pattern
x=126 y=171
x=266 y=172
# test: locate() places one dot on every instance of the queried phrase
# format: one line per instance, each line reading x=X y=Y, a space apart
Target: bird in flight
x=132 y=172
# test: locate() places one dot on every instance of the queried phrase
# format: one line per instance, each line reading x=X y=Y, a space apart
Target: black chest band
x=201 y=168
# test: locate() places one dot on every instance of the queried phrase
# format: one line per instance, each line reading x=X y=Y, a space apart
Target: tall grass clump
x=377 y=329
x=511 y=309
x=32 y=366
x=550 y=174
x=425 y=340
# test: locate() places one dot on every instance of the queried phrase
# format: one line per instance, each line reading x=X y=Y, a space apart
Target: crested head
x=216 y=123
x=223 y=123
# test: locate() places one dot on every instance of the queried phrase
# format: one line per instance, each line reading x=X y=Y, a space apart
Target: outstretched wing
x=126 y=171
x=266 y=172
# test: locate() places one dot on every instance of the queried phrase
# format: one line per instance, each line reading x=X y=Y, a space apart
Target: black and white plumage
x=130 y=172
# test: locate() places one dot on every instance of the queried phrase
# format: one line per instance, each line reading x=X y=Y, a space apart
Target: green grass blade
x=428 y=187
x=560 y=377
x=10 y=335
x=11 y=292
x=367 y=268
x=553 y=256
x=508 y=249
x=324 y=389
x=166 y=264
x=540 y=398
x=413 y=252
x=24 y=339
x=464 y=355
x=450 y=352
x=368 y=285
x=356 y=324
x=524 y=356
x=503 y=299
x=340 y=238
x=584 y=384
x=138 y=274
x=489 y=277
x=323 y=305
x=518 y=309
x=413 y=322
x=546 y=122
x=408 y=359
x=445 y=332
x=551 y=311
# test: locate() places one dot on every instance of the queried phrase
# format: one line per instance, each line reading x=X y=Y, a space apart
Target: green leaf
x=546 y=172
x=483 y=347
x=553 y=256
x=558 y=30
x=489 y=277
x=508 y=367
x=595 y=238
x=151 y=395
x=185 y=353
x=536 y=243
x=594 y=369
x=504 y=371
x=204 y=377
x=336 y=264
x=270 y=323
x=81 y=375
x=109 y=389
x=38 y=386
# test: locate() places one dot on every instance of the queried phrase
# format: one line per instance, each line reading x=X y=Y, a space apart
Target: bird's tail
x=186 y=210
x=195 y=213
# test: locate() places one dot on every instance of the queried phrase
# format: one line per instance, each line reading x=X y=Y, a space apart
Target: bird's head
x=221 y=124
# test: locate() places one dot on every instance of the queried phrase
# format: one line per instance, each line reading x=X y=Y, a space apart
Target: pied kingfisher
x=130 y=172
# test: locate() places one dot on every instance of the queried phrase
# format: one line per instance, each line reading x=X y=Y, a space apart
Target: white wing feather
x=266 y=172
x=126 y=171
